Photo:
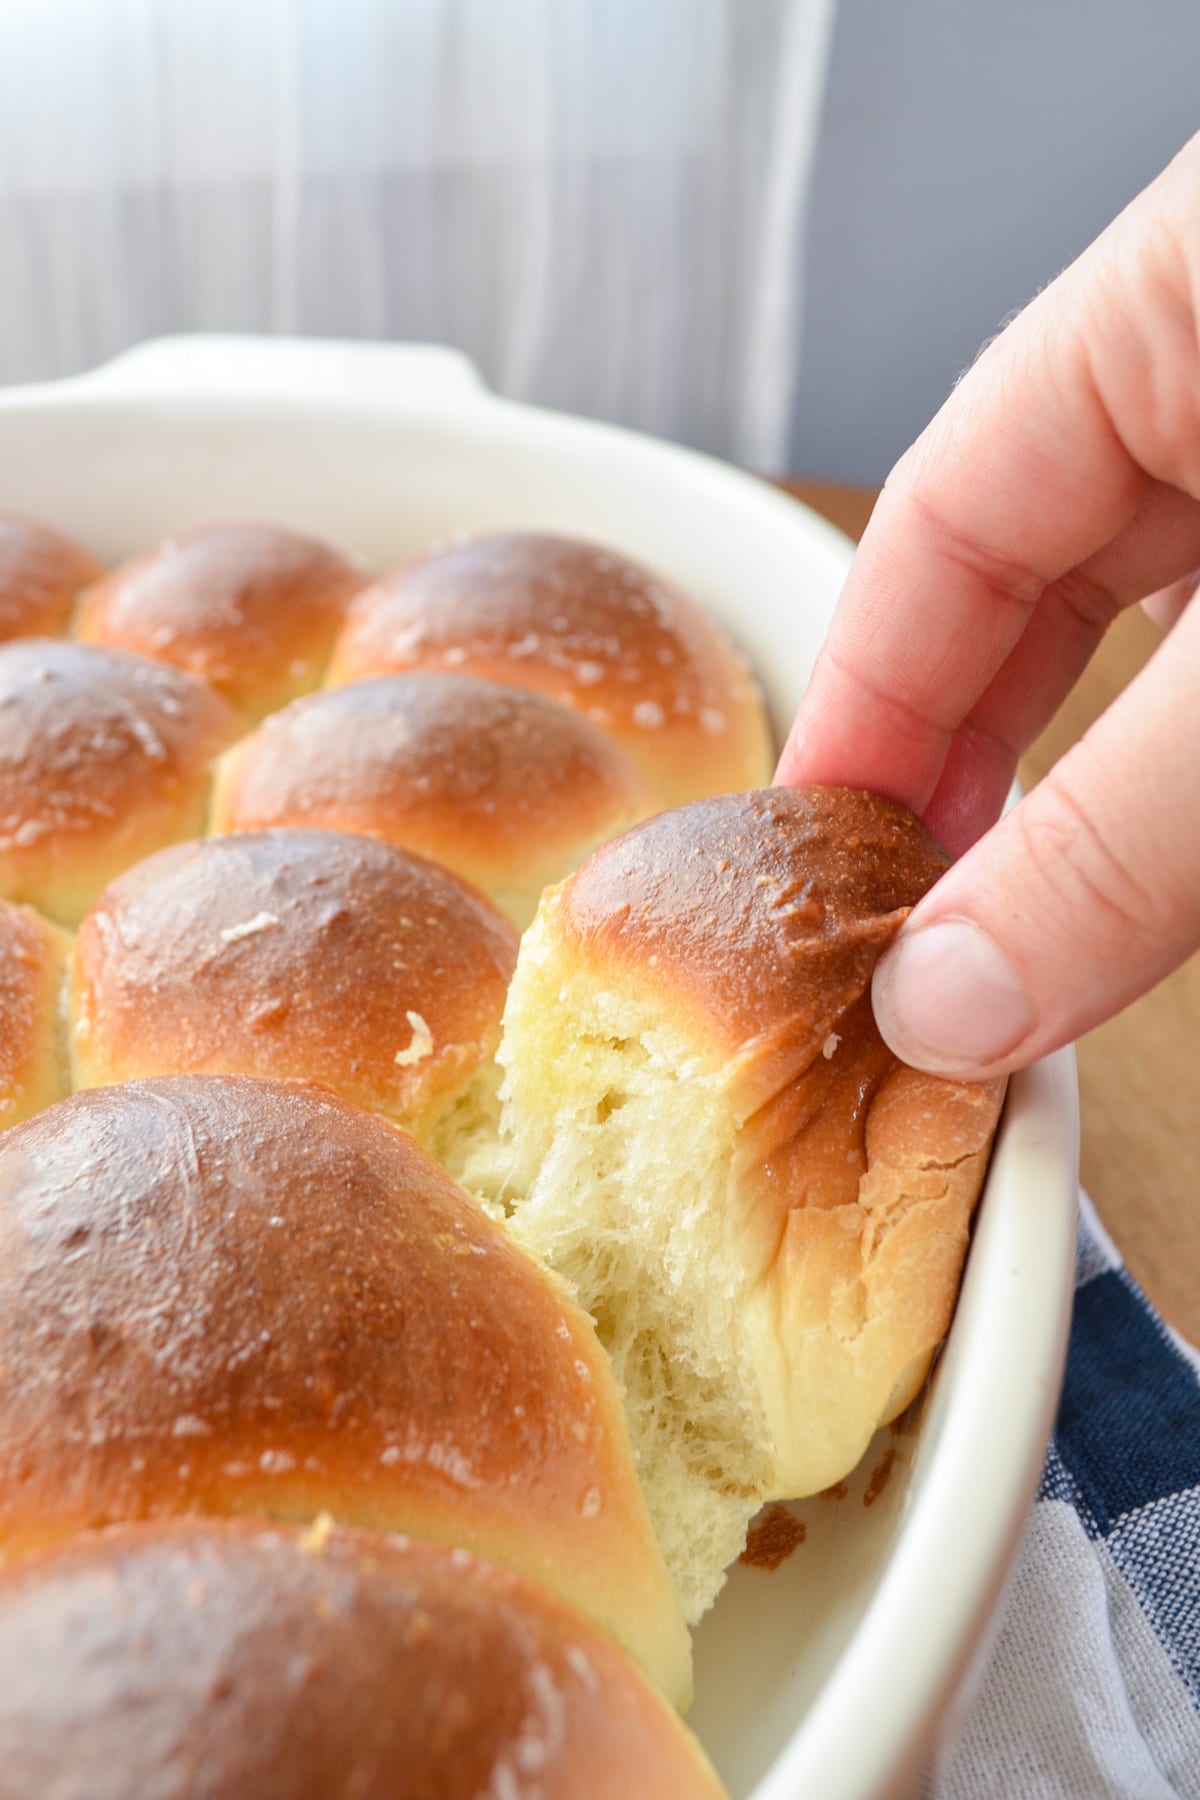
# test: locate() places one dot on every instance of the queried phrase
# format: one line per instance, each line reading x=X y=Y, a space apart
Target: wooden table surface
x=1139 y=1088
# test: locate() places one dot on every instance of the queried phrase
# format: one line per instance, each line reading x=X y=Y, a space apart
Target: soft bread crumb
x=595 y=1115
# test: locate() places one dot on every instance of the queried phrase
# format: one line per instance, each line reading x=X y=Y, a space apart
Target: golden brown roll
x=252 y=608
x=232 y=1660
x=586 y=626
x=41 y=574
x=228 y=1296
x=509 y=789
x=104 y=757
x=764 y=1210
x=296 y=954
x=33 y=1054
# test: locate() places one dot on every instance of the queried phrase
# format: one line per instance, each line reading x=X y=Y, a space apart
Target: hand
x=1059 y=484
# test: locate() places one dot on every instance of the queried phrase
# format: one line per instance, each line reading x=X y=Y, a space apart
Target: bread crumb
x=830 y=1045
x=878 y=1478
x=422 y=1042
x=317 y=1535
x=262 y=921
x=772 y=1538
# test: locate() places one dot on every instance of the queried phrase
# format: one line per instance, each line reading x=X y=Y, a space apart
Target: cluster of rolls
x=400 y=1314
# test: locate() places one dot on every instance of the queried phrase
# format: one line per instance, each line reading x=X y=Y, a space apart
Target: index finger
x=1041 y=457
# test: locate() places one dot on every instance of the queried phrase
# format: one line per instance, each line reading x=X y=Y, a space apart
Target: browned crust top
x=41 y=573
x=435 y=758
x=237 y=603
x=761 y=906
x=232 y=1659
x=573 y=620
x=226 y=1295
x=97 y=742
x=294 y=953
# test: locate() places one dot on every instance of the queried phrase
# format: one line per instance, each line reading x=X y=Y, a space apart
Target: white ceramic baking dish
x=834 y=1675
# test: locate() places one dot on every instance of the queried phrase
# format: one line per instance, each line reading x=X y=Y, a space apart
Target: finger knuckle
x=1093 y=603
x=1008 y=582
x=1094 y=886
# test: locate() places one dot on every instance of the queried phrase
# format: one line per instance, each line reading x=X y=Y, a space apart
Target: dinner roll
x=586 y=626
x=765 y=1212
x=508 y=788
x=220 y=1295
x=296 y=953
x=104 y=757
x=253 y=608
x=33 y=1057
x=40 y=575
x=231 y=1660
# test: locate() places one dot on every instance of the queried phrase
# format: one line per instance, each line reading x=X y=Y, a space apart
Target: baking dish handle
x=409 y=376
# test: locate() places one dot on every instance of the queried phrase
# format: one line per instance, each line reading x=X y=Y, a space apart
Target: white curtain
x=601 y=201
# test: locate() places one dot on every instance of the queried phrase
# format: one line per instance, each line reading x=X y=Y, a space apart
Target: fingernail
x=947 y=999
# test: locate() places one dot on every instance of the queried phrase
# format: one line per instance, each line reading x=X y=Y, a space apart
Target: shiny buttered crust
x=235 y=1660
x=705 y=981
x=229 y=1296
x=586 y=626
x=104 y=757
x=41 y=575
x=252 y=608
x=506 y=787
x=33 y=1055
x=293 y=954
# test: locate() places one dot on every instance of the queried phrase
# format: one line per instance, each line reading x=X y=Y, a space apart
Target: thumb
x=1074 y=904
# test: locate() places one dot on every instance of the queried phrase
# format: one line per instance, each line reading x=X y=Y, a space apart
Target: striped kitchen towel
x=1092 y=1689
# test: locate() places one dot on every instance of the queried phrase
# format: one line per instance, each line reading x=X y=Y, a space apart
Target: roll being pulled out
x=233 y=1660
x=226 y=1296
x=763 y=1210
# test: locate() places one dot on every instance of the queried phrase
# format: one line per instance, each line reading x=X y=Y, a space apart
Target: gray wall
x=967 y=152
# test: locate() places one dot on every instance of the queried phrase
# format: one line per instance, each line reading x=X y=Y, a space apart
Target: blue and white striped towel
x=1093 y=1686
